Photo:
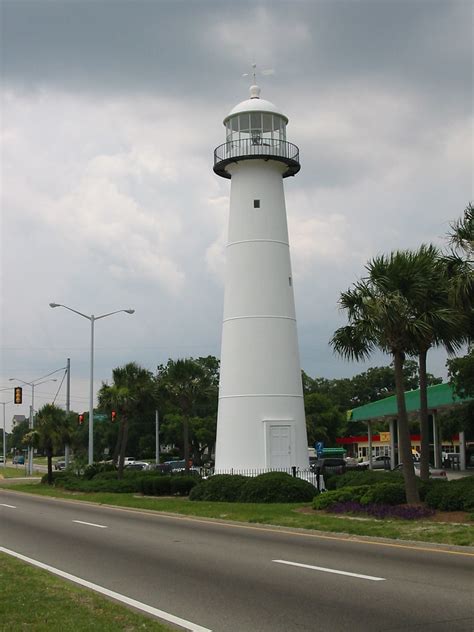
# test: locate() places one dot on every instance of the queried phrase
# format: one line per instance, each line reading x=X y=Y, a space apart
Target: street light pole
x=92 y=320
x=91 y=396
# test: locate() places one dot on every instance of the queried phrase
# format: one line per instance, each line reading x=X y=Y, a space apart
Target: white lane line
x=91 y=524
x=187 y=625
x=9 y=506
x=332 y=570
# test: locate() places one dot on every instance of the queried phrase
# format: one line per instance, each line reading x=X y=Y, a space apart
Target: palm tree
x=51 y=429
x=130 y=384
x=186 y=383
x=380 y=318
x=461 y=237
x=421 y=278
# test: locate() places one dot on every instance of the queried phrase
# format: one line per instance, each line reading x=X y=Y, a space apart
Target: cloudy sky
x=111 y=110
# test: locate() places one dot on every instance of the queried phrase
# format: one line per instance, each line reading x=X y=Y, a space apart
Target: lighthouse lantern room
x=261 y=421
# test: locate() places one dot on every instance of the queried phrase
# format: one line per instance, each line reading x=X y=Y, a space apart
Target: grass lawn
x=15 y=471
x=33 y=599
x=284 y=515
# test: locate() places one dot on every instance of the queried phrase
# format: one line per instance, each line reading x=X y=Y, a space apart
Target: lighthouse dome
x=255 y=130
x=255 y=104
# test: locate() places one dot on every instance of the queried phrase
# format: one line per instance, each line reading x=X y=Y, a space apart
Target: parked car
x=18 y=460
x=136 y=465
x=2 y=460
x=434 y=473
x=381 y=462
x=60 y=465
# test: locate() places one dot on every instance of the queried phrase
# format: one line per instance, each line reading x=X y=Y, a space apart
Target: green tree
x=187 y=388
x=323 y=419
x=420 y=278
x=461 y=236
x=380 y=318
x=49 y=434
x=132 y=384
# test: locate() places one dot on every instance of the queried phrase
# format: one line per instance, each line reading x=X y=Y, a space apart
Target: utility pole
x=68 y=403
x=157 y=438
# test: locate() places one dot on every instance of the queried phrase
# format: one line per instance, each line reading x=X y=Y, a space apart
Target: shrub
x=452 y=496
x=276 y=487
x=155 y=485
x=93 y=469
x=220 y=487
x=362 y=477
x=182 y=485
x=384 y=494
x=57 y=477
x=346 y=494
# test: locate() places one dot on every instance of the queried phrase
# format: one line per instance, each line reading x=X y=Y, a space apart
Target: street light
x=92 y=320
x=32 y=412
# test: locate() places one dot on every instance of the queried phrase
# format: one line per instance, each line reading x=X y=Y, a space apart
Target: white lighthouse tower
x=261 y=421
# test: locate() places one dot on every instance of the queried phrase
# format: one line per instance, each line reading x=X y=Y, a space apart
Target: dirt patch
x=453 y=517
x=458 y=517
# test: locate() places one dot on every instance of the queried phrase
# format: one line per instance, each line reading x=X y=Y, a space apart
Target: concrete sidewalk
x=452 y=475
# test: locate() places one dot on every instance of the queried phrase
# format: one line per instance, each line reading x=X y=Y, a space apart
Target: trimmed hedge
x=148 y=483
x=276 y=487
x=95 y=468
x=355 y=477
x=219 y=488
x=271 y=487
x=346 y=494
x=455 y=495
x=385 y=494
x=381 y=494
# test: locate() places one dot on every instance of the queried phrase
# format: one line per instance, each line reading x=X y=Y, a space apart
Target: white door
x=280 y=447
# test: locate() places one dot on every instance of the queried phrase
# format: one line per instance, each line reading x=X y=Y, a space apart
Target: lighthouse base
x=276 y=442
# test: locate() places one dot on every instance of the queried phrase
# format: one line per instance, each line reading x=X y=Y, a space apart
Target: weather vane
x=267 y=71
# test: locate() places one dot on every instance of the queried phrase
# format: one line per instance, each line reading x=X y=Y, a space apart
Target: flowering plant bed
x=381 y=511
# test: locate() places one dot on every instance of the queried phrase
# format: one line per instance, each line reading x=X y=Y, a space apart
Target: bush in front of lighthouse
x=271 y=487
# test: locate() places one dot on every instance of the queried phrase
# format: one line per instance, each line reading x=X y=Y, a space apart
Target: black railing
x=257 y=147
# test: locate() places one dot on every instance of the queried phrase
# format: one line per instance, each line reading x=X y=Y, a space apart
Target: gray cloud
x=111 y=111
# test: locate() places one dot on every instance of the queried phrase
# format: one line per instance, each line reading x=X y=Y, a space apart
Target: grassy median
x=285 y=515
x=33 y=599
x=16 y=471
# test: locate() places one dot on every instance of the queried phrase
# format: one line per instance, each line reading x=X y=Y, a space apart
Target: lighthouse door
x=280 y=447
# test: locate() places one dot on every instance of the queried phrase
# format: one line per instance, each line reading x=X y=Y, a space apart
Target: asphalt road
x=240 y=578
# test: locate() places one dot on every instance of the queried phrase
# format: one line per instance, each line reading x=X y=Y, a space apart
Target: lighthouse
x=261 y=422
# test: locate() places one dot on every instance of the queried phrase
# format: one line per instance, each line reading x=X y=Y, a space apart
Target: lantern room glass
x=260 y=127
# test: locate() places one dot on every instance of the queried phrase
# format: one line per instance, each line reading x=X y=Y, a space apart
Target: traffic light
x=18 y=398
x=81 y=419
x=114 y=415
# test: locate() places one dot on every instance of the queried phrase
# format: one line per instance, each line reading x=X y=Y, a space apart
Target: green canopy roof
x=439 y=396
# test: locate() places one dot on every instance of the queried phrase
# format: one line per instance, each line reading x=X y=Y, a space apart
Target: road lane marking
x=5 y=505
x=348 y=539
x=91 y=524
x=331 y=570
x=187 y=625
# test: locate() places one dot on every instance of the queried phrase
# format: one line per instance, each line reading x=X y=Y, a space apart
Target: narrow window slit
x=256 y=203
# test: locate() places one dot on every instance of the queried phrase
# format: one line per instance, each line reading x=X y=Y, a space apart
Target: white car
x=137 y=465
x=381 y=462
